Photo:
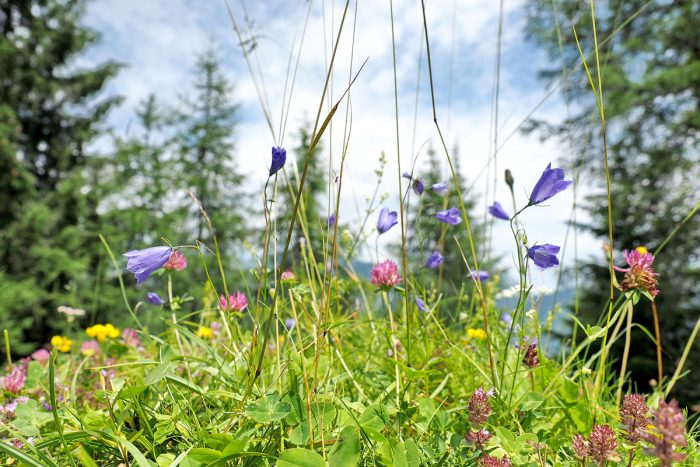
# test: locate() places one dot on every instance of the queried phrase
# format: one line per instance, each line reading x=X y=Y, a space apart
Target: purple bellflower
x=143 y=262
x=331 y=220
x=420 y=304
x=279 y=157
x=154 y=298
x=439 y=188
x=497 y=211
x=544 y=256
x=449 y=216
x=480 y=276
x=550 y=183
x=434 y=260
x=416 y=183
x=289 y=323
x=387 y=219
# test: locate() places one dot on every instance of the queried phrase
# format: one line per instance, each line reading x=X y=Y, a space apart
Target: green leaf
x=346 y=451
x=532 y=400
x=298 y=457
x=159 y=373
x=30 y=418
x=269 y=409
x=412 y=453
x=374 y=417
x=205 y=455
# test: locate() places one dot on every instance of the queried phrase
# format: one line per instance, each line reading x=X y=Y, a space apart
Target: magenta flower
x=668 y=433
x=580 y=447
x=478 y=437
x=449 y=216
x=544 y=256
x=479 y=407
x=640 y=274
x=434 y=260
x=279 y=157
x=177 y=262
x=90 y=348
x=550 y=183
x=14 y=382
x=143 y=262
x=633 y=417
x=237 y=301
x=387 y=219
x=491 y=461
x=497 y=211
x=602 y=444
x=41 y=355
x=130 y=337
x=385 y=274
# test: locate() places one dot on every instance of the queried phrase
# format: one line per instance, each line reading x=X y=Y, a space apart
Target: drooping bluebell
x=439 y=188
x=544 y=256
x=387 y=219
x=479 y=275
x=420 y=304
x=154 y=298
x=434 y=260
x=143 y=262
x=279 y=157
x=550 y=183
x=497 y=211
x=449 y=216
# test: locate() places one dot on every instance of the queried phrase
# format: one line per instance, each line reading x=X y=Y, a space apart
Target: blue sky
x=159 y=40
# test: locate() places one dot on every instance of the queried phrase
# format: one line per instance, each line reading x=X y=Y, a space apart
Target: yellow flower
x=476 y=333
x=641 y=249
x=62 y=343
x=205 y=332
x=102 y=332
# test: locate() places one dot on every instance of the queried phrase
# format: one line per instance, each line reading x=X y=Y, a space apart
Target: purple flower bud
x=439 y=188
x=434 y=260
x=479 y=275
x=387 y=219
x=420 y=304
x=143 y=262
x=330 y=222
x=418 y=186
x=279 y=157
x=154 y=298
x=550 y=183
x=497 y=211
x=449 y=216
x=544 y=256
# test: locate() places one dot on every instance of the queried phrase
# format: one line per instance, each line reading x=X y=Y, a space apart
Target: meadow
x=299 y=358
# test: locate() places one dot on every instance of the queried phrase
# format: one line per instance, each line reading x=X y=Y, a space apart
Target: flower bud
x=509 y=179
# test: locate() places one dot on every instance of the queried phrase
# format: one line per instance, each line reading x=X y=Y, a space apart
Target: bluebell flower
x=550 y=183
x=449 y=216
x=154 y=298
x=416 y=183
x=481 y=276
x=331 y=220
x=497 y=211
x=434 y=260
x=289 y=323
x=387 y=219
x=439 y=188
x=143 y=262
x=279 y=157
x=544 y=256
x=420 y=304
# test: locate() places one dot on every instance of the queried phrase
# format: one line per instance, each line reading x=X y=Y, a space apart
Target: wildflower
x=420 y=304
x=479 y=408
x=477 y=333
x=531 y=314
x=330 y=222
x=490 y=461
x=385 y=274
x=580 y=447
x=602 y=444
x=480 y=276
x=130 y=337
x=154 y=298
x=177 y=262
x=434 y=260
x=62 y=343
x=101 y=332
x=530 y=359
x=633 y=417
x=70 y=311
x=288 y=277
x=289 y=323
x=90 y=348
x=478 y=437
x=14 y=382
x=640 y=274
x=41 y=355
x=387 y=219
x=507 y=319
x=439 y=188
x=509 y=178
x=544 y=256
x=497 y=211
x=143 y=262
x=215 y=328
x=550 y=183
x=205 y=332
x=237 y=301
x=418 y=186
x=449 y=216
x=668 y=432
x=279 y=157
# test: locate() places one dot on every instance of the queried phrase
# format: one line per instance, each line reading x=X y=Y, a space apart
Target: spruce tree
x=51 y=111
x=651 y=91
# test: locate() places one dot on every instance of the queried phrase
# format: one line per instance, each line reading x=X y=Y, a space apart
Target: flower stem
x=657 y=331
